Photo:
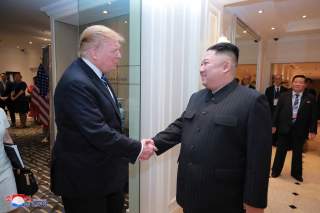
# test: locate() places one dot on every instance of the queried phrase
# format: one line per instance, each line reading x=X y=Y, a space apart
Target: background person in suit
x=20 y=101
x=295 y=118
x=90 y=156
x=246 y=81
x=6 y=87
x=225 y=136
x=272 y=93
x=309 y=87
x=3 y=88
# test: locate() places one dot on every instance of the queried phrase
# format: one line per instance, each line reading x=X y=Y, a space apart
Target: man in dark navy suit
x=295 y=119
x=225 y=136
x=90 y=156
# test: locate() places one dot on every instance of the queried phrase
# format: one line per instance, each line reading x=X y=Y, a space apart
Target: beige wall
x=27 y=62
x=287 y=71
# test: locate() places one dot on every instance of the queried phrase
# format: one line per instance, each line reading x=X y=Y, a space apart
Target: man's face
x=298 y=85
x=108 y=55
x=211 y=69
x=277 y=80
x=17 y=77
x=246 y=80
x=3 y=77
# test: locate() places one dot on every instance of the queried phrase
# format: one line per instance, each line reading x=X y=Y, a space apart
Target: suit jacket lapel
x=303 y=101
x=100 y=85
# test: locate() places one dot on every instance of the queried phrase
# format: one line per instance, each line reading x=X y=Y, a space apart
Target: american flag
x=40 y=95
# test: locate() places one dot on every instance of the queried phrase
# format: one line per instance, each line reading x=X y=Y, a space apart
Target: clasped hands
x=148 y=149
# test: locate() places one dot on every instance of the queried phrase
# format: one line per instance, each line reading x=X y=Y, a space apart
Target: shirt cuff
x=142 y=145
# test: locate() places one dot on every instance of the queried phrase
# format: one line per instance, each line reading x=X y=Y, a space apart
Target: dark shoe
x=275 y=175
x=298 y=178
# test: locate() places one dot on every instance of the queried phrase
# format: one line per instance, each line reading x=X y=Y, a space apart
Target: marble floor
x=286 y=196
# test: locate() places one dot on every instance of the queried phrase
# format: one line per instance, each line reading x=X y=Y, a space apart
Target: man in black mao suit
x=90 y=156
x=225 y=136
x=295 y=119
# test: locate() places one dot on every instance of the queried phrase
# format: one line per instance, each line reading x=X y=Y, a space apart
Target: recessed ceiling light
x=105 y=12
x=304 y=16
x=30 y=42
x=126 y=22
x=260 y=11
x=273 y=28
x=244 y=31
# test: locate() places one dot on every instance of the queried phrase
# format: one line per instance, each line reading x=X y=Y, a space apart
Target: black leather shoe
x=298 y=178
x=275 y=175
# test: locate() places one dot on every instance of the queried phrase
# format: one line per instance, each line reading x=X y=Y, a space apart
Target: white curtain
x=170 y=58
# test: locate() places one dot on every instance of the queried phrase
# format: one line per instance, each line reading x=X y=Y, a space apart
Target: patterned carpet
x=36 y=155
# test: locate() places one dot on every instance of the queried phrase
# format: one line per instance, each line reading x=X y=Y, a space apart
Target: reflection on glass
x=247 y=41
x=125 y=80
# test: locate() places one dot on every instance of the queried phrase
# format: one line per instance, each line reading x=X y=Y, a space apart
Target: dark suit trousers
x=112 y=203
x=283 y=143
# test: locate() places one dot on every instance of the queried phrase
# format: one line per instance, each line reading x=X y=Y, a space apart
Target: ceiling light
x=260 y=11
x=273 y=28
x=30 y=42
x=244 y=31
x=45 y=39
x=304 y=16
x=126 y=22
x=105 y=12
x=18 y=47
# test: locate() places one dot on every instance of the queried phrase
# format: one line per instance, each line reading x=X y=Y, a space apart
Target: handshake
x=148 y=149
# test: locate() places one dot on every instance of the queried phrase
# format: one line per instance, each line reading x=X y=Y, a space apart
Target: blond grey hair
x=92 y=37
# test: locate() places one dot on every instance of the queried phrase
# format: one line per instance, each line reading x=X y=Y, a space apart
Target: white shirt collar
x=93 y=67
x=294 y=93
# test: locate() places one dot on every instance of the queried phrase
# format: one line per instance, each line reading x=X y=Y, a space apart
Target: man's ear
x=92 y=53
x=227 y=66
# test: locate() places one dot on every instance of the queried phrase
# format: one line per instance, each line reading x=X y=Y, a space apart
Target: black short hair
x=228 y=48
x=299 y=76
x=309 y=80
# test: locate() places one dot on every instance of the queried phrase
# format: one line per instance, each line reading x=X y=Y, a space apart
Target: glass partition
x=123 y=16
x=247 y=41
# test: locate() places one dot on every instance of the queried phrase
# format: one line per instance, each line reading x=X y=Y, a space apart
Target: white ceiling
x=284 y=15
x=22 y=21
